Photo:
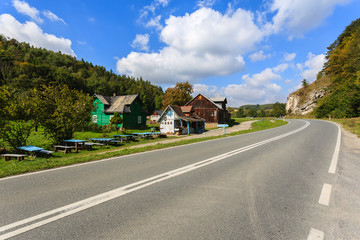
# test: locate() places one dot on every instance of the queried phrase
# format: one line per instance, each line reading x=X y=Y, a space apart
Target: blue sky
x=250 y=51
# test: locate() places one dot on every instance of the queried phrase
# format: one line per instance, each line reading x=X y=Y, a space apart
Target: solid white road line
x=325 y=194
x=56 y=214
x=315 y=234
x=335 y=158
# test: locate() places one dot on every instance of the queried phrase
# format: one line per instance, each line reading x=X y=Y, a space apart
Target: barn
x=213 y=110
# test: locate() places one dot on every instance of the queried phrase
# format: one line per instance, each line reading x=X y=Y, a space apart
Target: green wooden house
x=129 y=106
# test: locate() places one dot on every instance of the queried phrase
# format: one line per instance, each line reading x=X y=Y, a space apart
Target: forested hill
x=23 y=67
x=336 y=91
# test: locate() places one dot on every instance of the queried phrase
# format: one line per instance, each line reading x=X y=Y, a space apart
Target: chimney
x=114 y=94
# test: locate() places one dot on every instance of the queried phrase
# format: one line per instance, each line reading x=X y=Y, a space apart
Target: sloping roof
x=120 y=104
x=117 y=103
x=186 y=109
x=181 y=115
x=209 y=99
x=157 y=112
x=219 y=99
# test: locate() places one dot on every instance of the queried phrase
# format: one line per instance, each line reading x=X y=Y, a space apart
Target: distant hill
x=264 y=110
x=336 y=91
x=23 y=67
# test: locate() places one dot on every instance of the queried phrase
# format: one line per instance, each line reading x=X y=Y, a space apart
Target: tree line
x=23 y=68
x=343 y=68
x=266 y=110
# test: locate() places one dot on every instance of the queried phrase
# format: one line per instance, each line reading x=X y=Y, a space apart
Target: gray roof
x=118 y=103
x=219 y=99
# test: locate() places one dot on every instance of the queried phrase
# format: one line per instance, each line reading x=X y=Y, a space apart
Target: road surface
x=283 y=183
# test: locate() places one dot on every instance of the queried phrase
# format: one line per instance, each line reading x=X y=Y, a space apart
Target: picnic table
x=125 y=136
x=8 y=156
x=33 y=150
x=142 y=135
x=106 y=141
x=65 y=149
x=78 y=143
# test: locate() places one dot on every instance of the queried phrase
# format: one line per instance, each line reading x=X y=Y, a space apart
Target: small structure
x=154 y=117
x=213 y=110
x=174 y=121
x=129 y=106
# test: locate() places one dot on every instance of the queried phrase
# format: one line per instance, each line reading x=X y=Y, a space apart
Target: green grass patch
x=59 y=159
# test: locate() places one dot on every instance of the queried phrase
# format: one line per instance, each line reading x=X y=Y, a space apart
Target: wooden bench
x=88 y=145
x=65 y=149
x=8 y=156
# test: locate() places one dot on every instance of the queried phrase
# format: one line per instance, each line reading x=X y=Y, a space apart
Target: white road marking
x=335 y=158
x=325 y=194
x=117 y=157
x=56 y=214
x=315 y=234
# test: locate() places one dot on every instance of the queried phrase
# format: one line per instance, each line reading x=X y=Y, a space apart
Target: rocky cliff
x=303 y=103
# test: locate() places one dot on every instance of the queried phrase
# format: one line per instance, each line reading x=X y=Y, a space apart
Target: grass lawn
x=59 y=159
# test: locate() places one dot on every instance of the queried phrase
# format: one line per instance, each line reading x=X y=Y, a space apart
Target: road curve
x=263 y=185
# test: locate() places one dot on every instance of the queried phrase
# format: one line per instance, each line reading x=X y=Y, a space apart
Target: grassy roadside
x=351 y=125
x=14 y=167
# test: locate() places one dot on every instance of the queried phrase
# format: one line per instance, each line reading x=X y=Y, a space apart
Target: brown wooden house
x=213 y=110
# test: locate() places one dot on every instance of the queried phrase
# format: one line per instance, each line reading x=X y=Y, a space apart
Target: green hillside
x=23 y=67
x=340 y=76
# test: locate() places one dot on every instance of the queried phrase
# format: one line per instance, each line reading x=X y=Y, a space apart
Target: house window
x=139 y=119
x=94 y=118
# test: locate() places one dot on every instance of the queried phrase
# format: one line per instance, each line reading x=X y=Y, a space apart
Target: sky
x=249 y=51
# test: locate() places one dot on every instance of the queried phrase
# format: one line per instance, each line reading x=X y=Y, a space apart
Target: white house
x=174 y=121
x=155 y=115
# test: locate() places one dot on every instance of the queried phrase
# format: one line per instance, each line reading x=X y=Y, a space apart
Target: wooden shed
x=212 y=110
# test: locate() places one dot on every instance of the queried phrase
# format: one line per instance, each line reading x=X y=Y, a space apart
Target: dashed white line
x=315 y=234
x=56 y=214
x=325 y=194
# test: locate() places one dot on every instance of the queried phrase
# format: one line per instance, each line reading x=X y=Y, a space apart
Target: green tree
x=61 y=111
x=304 y=83
x=279 y=109
x=116 y=120
x=15 y=117
x=178 y=95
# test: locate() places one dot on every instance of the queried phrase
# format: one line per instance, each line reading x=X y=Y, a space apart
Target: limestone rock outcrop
x=297 y=105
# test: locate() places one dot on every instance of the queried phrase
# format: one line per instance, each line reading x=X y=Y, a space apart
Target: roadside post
x=223 y=126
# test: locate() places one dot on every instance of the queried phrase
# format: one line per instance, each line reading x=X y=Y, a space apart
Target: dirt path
x=216 y=132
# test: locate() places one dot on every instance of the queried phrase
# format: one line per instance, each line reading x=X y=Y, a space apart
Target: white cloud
x=209 y=91
x=170 y=66
x=289 y=56
x=141 y=42
x=300 y=16
x=163 y=3
x=312 y=66
x=202 y=44
x=154 y=22
x=31 y=33
x=281 y=67
x=205 y=3
x=24 y=8
x=52 y=17
x=261 y=79
x=258 y=56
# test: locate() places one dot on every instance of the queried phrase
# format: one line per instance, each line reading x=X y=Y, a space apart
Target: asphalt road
x=273 y=184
